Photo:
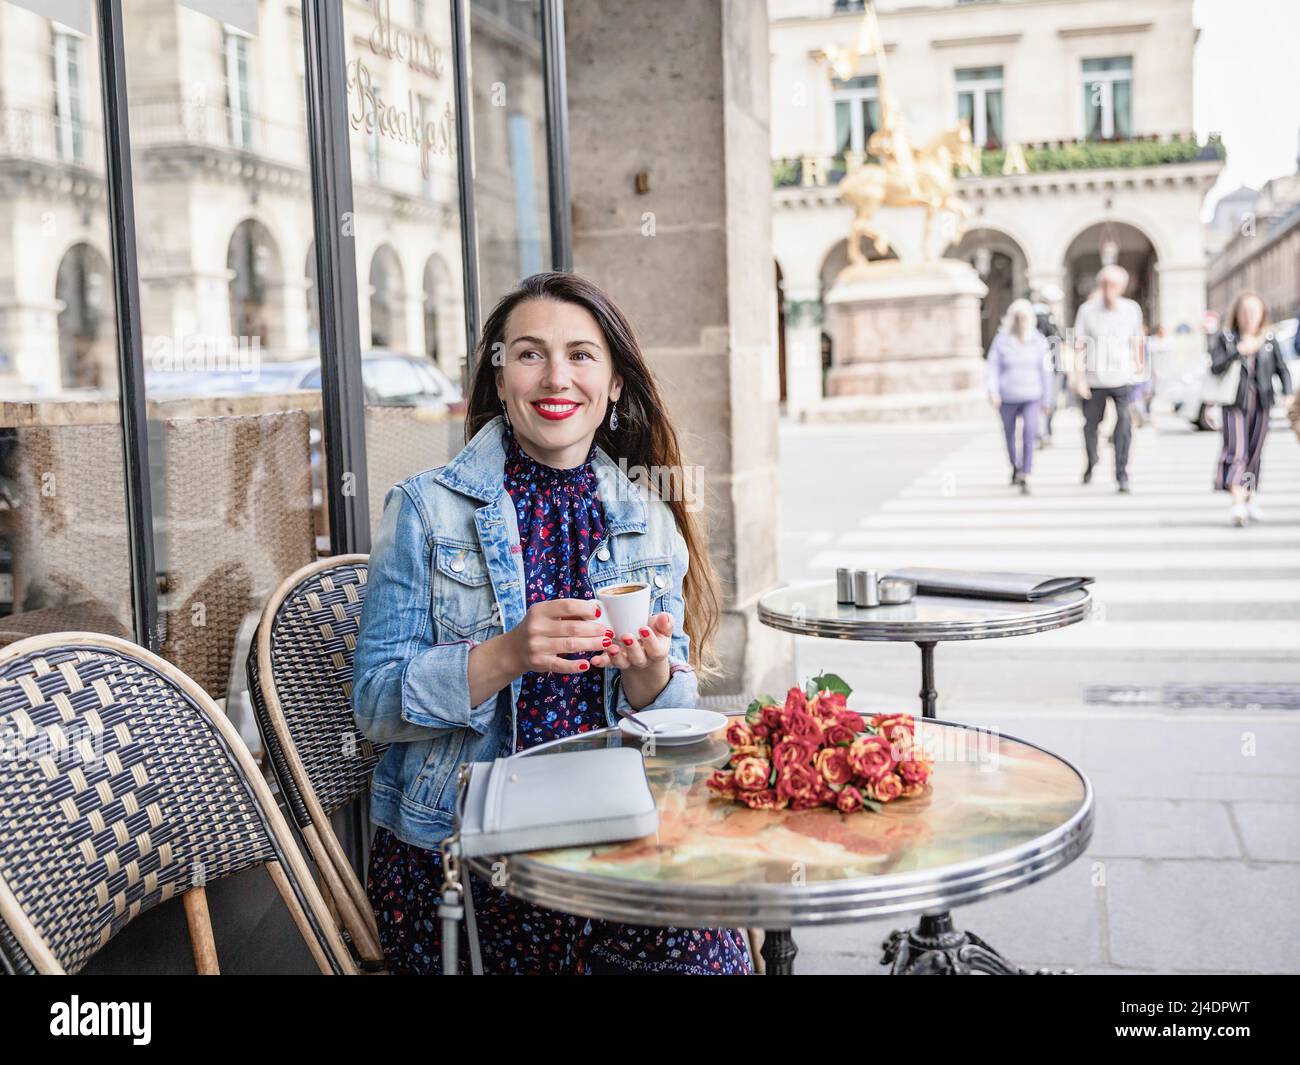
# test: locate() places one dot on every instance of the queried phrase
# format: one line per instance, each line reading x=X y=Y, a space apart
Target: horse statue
x=923 y=178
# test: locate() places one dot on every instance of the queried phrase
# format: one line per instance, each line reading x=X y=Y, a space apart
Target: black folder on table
x=973 y=584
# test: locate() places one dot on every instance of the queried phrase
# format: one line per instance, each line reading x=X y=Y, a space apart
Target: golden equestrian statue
x=905 y=177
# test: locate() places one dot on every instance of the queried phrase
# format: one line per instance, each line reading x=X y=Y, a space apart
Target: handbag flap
x=573 y=798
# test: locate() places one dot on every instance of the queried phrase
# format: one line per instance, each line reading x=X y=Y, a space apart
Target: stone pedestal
x=906 y=342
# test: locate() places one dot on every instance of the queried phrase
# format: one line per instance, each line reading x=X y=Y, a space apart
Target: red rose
x=801 y=725
x=794 y=699
x=739 y=734
x=796 y=780
x=772 y=717
x=760 y=731
x=833 y=764
x=849 y=800
x=752 y=774
x=822 y=710
x=791 y=752
x=886 y=789
x=766 y=799
x=853 y=720
x=840 y=734
x=739 y=754
x=871 y=757
x=723 y=782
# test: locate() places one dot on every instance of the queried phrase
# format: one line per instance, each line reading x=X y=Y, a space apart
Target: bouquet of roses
x=815 y=751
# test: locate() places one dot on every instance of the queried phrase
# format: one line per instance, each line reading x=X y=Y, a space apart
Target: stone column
x=677 y=91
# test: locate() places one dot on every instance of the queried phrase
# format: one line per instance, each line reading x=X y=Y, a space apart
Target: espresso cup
x=625 y=607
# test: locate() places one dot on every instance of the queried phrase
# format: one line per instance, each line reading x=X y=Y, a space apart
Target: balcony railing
x=43 y=136
x=1040 y=157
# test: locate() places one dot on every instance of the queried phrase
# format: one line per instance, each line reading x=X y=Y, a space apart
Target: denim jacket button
x=603 y=554
x=660 y=580
x=457 y=564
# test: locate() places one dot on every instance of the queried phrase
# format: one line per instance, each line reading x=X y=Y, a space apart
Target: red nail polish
x=644 y=632
x=597 y=611
x=609 y=633
x=627 y=640
x=605 y=642
x=584 y=665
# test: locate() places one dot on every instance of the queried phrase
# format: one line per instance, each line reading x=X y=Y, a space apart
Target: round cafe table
x=812 y=609
x=999 y=814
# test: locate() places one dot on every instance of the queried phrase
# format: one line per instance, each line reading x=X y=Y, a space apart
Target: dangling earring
x=506 y=414
x=613 y=417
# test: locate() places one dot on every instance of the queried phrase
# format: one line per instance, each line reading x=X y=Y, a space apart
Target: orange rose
x=886 y=789
x=833 y=764
x=900 y=728
x=723 y=782
x=871 y=757
x=752 y=774
x=916 y=768
x=766 y=799
x=739 y=734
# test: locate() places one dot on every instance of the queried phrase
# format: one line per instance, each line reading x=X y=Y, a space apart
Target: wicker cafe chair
x=123 y=786
x=300 y=679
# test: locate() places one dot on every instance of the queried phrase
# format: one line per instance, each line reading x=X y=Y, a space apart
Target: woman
x=1246 y=338
x=481 y=635
x=1021 y=382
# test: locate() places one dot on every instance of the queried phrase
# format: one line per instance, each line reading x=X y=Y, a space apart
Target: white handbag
x=578 y=798
x=1221 y=389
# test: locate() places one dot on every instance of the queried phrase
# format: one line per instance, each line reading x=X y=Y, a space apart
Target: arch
x=1133 y=249
x=1002 y=264
x=256 y=284
x=87 y=327
x=387 y=300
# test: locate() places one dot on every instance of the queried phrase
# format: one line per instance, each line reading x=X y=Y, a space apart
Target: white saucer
x=692 y=725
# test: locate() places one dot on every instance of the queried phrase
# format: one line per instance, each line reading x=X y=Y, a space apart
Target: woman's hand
x=643 y=659
x=553 y=628
x=996 y=401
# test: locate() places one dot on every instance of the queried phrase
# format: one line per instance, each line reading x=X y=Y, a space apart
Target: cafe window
x=64 y=547
x=1108 y=98
x=857 y=112
x=979 y=103
x=232 y=437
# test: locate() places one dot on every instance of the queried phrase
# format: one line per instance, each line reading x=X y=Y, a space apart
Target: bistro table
x=999 y=814
x=812 y=609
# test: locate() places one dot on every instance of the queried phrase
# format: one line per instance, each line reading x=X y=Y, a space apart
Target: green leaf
x=832 y=682
x=872 y=805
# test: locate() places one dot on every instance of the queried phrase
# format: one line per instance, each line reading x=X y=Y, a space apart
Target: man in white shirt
x=1109 y=360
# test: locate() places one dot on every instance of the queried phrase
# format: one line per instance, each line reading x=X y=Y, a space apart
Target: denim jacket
x=446 y=572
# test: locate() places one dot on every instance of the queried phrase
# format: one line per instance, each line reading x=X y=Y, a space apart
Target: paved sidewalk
x=1180 y=698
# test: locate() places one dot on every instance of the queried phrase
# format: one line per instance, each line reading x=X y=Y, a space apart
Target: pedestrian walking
x=1021 y=383
x=1109 y=361
x=1247 y=340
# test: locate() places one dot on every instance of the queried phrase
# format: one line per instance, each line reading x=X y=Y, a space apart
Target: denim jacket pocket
x=463 y=602
x=440 y=764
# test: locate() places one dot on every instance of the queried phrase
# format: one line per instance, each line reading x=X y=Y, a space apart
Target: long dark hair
x=646 y=437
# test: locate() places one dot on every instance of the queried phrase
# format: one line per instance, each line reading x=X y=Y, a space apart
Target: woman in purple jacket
x=1020 y=382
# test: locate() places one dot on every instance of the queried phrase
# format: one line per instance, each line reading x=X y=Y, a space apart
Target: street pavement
x=1179 y=697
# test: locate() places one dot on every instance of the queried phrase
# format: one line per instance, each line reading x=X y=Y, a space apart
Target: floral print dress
x=561 y=520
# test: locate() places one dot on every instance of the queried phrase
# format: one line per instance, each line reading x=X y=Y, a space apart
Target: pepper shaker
x=843 y=585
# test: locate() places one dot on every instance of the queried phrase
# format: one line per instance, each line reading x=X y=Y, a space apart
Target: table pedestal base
x=935 y=948
x=778 y=951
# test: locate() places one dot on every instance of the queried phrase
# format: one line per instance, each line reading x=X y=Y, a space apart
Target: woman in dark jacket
x=1246 y=338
